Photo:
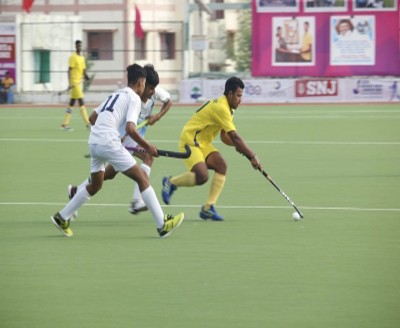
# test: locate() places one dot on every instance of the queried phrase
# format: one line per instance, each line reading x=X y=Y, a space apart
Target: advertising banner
x=375 y=90
x=255 y=91
x=7 y=48
x=309 y=90
x=325 y=38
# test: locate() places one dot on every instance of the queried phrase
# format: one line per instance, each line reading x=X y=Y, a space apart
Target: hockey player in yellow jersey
x=213 y=118
x=76 y=75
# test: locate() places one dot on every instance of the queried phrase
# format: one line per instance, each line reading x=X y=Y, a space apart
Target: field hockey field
x=339 y=267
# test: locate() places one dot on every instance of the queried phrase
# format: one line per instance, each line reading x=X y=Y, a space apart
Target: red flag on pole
x=27 y=4
x=138 y=27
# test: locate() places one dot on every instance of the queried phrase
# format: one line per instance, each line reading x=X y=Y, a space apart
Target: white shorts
x=114 y=154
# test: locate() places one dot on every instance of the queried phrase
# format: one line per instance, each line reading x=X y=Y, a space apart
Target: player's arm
x=87 y=78
x=165 y=97
x=152 y=119
x=242 y=148
x=93 y=117
x=69 y=77
x=131 y=131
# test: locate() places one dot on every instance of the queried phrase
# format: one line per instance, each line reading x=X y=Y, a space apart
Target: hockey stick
x=165 y=153
x=142 y=124
x=137 y=128
x=265 y=174
x=69 y=88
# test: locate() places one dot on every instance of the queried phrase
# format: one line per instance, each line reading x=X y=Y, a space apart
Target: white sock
x=152 y=203
x=84 y=183
x=81 y=197
x=136 y=191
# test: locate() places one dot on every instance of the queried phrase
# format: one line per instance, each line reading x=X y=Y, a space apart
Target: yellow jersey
x=207 y=122
x=77 y=64
x=306 y=44
x=7 y=82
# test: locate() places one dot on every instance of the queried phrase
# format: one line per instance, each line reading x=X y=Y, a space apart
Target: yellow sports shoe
x=62 y=225
x=170 y=223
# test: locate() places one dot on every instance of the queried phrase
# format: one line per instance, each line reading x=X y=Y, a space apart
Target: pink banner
x=301 y=39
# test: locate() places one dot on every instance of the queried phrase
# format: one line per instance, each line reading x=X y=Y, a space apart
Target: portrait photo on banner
x=277 y=6
x=293 y=41
x=352 y=40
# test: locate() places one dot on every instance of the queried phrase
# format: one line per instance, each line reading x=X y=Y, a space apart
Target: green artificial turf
x=339 y=267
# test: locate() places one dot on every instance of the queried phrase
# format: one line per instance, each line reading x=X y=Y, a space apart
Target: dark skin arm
x=93 y=118
x=132 y=132
x=242 y=148
x=152 y=119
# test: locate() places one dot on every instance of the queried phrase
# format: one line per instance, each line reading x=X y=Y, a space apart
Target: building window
x=230 y=44
x=140 y=48
x=218 y=14
x=167 y=45
x=100 y=45
x=42 y=66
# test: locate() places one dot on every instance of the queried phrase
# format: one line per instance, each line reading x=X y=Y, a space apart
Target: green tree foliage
x=86 y=84
x=243 y=48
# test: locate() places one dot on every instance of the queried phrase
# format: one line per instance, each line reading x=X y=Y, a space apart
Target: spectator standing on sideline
x=76 y=74
x=122 y=108
x=6 y=83
x=214 y=117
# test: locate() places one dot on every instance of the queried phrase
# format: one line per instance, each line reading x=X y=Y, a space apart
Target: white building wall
x=119 y=15
x=37 y=32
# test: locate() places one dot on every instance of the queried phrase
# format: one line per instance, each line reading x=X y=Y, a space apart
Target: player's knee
x=110 y=174
x=143 y=183
x=93 y=189
x=222 y=167
x=148 y=160
x=201 y=178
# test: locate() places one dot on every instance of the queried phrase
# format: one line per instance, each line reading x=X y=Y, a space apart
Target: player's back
x=113 y=113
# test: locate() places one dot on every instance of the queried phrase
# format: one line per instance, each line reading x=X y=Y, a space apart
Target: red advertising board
x=7 y=48
x=316 y=88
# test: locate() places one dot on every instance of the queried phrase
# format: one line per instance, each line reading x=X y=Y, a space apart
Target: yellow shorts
x=199 y=154
x=76 y=92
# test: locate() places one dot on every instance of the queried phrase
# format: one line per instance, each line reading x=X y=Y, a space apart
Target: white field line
x=261 y=207
x=253 y=117
x=288 y=142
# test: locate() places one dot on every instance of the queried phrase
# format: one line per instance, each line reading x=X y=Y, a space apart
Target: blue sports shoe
x=167 y=190
x=211 y=213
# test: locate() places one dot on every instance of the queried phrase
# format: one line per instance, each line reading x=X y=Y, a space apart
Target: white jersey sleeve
x=119 y=108
x=160 y=94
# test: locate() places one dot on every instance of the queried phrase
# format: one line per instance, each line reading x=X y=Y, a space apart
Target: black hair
x=232 y=84
x=152 y=75
x=135 y=72
x=78 y=41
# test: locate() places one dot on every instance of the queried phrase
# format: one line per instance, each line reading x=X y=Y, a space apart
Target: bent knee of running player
x=216 y=162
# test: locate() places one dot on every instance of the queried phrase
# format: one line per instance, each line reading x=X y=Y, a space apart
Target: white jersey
x=146 y=110
x=119 y=108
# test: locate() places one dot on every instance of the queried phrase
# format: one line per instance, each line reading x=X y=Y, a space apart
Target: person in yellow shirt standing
x=6 y=83
x=214 y=118
x=306 y=44
x=76 y=74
